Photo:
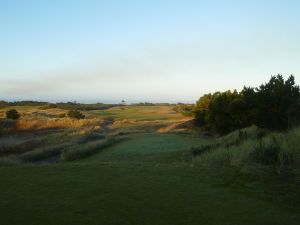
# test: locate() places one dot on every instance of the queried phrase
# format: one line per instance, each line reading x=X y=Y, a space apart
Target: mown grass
x=139 y=113
x=153 y=147
x=132 y=193
x=152 y=178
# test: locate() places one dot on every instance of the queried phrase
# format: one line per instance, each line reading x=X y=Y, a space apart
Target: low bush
x=92 y=136
x=240 y=136
x=12 y=114
x=266 y=153
x=62 y=115
x=200 y=150
x=184 y=109
x=75 y=114
x=270 y=152
x=49 y=106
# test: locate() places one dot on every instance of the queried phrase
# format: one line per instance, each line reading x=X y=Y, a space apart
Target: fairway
x=140 y=113
x=154 y=147
x=143 y=180
x=128 y=194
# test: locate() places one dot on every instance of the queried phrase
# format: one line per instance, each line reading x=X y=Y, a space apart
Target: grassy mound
x=252 y=147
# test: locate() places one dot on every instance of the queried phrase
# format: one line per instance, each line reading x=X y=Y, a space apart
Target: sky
x=152 y=50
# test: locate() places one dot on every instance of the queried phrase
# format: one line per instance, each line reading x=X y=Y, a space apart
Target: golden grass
x=38 y=124
x=182 y=125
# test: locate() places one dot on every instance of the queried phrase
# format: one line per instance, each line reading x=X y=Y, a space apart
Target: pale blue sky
x=152 y=50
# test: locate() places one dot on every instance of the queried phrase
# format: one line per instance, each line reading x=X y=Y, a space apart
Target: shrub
x=271 y=153
x=184 y=109
x=12 y=114
x=93 y=136
x=76 y=114
x=266 y=153
x=49 y=106
x=200 y=150
x=62 y=115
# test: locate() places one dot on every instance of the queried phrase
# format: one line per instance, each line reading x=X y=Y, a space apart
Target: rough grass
x=252 y=146
x=44 y=152
x=9 y=161
x=80 y=151
x=35 y=124
x=11 y=145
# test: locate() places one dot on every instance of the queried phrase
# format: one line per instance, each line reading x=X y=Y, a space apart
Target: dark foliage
x=200 y=150
x=26 y=103
x=12 y=114
x=79 y=106
x=49 y=106
x=144 y=104
x=274 y=105
x=62 y=105
x=3 y=104
x=271 y=154
x=184 y=109
x=75 y=114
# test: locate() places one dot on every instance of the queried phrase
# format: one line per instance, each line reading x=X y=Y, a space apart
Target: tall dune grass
x=14 y=146
x=38 y=124
x=44 y=152
x=252 y=146
x=9 y=161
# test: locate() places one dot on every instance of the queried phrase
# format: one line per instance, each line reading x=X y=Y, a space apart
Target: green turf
x=131 y=184
x=128 y=194
x=153 y=147
x=139 y=113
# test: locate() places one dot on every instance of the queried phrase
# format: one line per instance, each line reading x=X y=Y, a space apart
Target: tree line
x=273 y=105
x=61 y=105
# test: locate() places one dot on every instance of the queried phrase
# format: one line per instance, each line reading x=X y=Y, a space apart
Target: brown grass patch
x=38 y=124
x=182 y=126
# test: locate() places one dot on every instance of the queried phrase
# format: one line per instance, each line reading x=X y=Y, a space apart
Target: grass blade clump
x=9 y=161
x=44 y=153
x=10 y=148
x=252 y=146
x=200 y=150
x=269 y=152
x=81 y=151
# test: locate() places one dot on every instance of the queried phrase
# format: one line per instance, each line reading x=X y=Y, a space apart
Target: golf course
x=147 y=176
